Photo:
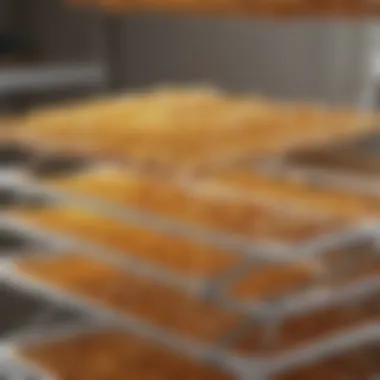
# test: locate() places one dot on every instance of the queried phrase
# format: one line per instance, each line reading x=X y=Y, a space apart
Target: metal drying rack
x=243 y=367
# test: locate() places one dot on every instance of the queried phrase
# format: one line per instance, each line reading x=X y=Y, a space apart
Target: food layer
x=170 y=129
x=212 y=207
x=338 y=203
x=131 y=294
x=272 y=281
x=165 y=250
x=309 y=326
x=358 y=364
x=336 y=268
x=115 y=355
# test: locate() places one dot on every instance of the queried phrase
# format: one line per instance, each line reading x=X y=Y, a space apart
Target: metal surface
x=244 y=367
x=238 y=364
x=311 y=298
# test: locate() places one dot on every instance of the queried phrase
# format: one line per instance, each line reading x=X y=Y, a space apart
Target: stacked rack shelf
x=189 y=262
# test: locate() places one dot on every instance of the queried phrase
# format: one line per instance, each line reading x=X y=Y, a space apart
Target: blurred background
x=50 y=51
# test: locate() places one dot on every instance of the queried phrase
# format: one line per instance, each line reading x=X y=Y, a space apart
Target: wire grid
x=291 y=305
x=358 y=290
x=288 y=360
x=266 y=249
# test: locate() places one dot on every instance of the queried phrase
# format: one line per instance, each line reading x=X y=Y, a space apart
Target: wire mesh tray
x=263 y=367
x=59 y=243
x=349 y=267
x=222 y=283
x=290 y=303
x=222 y=357
x=324 y=231
x=208 y=285
x=188 y=347
x=83 y=344
x=356 y=291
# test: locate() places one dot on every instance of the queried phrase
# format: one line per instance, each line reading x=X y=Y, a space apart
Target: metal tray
x=212 y=287
x=194 y=349
x=258 y=368
x=37 y=339
x=324 y=289
x=59 y=244
x=219 y=286
x=266 y=250
x=222 y=357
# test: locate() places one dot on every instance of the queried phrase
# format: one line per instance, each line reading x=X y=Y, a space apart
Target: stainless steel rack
x=220 y=354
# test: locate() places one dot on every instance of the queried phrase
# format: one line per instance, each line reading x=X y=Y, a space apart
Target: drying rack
x=241 y=366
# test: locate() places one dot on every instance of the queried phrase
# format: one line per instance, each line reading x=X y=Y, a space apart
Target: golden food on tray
x=339 y=203
x=166 y=250
x=258 y=8
x=274 y=280
x=307 y=327
x=171 y=129
x=208 y=207
x=114 y=355
x=133 y=295
x=335 y=268
x=355 y=364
